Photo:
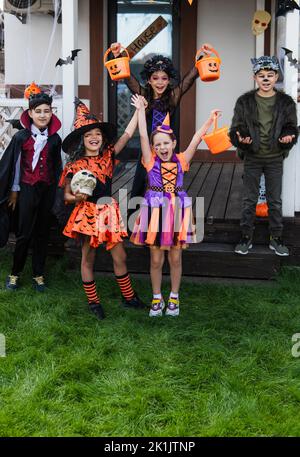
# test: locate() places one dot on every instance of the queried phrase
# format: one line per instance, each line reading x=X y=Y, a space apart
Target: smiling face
x=41 y=116
x=115 y=70
x=92 y=141
x=213 y=67
x=266 y=80
x=159 y=81
x=163 y=146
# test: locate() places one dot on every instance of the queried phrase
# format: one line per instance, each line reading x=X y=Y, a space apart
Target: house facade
x=34 y=41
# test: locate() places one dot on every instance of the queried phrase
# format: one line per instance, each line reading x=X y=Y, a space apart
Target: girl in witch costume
x=29 y=171
x=163 y=92
x=96 y=218
x=165 y=221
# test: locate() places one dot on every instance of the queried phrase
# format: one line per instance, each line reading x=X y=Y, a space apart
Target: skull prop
x=260 y=22
x=84 y=182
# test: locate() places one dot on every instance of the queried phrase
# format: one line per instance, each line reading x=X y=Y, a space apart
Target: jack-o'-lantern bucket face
x=208 y=66
x=118 y=68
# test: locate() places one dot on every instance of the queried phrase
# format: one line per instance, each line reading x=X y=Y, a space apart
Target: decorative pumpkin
x=33 y=89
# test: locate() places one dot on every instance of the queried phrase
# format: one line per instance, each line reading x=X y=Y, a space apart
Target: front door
x=127 y=20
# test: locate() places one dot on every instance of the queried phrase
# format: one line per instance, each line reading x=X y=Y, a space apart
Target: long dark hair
x=163 y=103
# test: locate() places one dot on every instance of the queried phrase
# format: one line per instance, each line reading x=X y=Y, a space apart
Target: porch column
x=69 y=72
x=291 y=173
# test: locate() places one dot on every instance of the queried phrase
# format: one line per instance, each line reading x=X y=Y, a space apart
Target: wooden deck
x=220 y=183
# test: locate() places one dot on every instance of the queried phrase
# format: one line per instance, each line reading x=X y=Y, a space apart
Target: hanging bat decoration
x=69 y=59
x=284 y=6
x=294 y=62
x=15 y=123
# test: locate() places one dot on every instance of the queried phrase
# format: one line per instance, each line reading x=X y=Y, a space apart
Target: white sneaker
x=173 y=307
x=157 y=306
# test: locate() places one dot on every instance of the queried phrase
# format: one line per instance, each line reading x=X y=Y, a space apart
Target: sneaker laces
x=39 y=280
x=173 y=303
x=156 y=304
x=13 y=279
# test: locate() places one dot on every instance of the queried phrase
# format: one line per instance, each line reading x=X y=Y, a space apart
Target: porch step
x=205 y=259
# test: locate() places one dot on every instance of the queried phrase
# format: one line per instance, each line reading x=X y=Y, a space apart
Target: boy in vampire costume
x=29 y=171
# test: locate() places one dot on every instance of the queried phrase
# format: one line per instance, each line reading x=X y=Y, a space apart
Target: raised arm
x=139 y=104
x=189 y=79
x=197 y=138
x=132 y=83
x=129 y=131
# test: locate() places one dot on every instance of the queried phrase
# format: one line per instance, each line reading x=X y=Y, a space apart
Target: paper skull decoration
x=84 y=182
x=260 y=22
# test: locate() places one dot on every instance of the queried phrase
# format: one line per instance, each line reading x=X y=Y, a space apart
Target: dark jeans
x=253 y=169
x=35 y=204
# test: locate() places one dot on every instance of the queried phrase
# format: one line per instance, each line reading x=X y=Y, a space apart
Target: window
x=128 y=19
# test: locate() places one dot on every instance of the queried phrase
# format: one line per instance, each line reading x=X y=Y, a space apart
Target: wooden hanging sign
x=146 y=36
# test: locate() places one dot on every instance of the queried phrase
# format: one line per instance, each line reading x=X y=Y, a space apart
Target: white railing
x=12 y=109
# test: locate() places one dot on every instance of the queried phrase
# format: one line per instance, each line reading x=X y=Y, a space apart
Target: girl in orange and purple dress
x=96 y=218
x=163 y=91
x=165 y=221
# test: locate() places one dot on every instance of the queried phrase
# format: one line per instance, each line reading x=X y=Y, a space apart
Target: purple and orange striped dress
x=166 y=218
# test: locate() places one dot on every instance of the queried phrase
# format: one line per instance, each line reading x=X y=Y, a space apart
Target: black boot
x=97 y=309
x=134 y=302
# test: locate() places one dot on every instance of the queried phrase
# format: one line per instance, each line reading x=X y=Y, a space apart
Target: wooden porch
x=220 y=184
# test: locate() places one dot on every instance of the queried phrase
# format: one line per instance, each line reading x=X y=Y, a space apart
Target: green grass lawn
x=223 y=368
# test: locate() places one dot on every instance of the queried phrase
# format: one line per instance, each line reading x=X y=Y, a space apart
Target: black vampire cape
x=8 y=166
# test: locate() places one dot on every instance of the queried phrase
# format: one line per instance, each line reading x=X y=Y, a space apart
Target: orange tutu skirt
x=102 y=223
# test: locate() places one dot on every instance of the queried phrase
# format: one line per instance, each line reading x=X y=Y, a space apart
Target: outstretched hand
x=207 y=48
x=214 y=114
x=139 y=102
x=116 y=49
x=286 y=139
x=244 y=140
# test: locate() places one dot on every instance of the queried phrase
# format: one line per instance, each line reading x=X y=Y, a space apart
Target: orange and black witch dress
x=99 y=216
x=166 y=217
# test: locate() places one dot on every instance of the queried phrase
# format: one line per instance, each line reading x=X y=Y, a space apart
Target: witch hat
x=165 y=126
x=85 y=121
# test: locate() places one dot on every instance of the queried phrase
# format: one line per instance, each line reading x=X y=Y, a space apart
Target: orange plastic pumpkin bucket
x=208 y=66
x=118 y=68
x=217 y=141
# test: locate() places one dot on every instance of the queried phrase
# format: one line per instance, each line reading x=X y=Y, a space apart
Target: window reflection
x=133 y=17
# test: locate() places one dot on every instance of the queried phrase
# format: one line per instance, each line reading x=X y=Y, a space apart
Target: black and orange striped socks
x=125 y=286
x=91 y=291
